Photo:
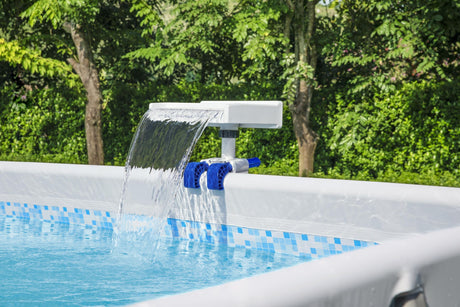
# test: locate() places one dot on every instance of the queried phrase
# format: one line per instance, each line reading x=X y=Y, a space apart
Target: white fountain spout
x=232 y=115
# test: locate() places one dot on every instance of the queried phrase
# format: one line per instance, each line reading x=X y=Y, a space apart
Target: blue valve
x=192 y=174
x=216 y=175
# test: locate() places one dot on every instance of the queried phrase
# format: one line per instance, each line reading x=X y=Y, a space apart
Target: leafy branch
x=293 y=73
x=32 y=60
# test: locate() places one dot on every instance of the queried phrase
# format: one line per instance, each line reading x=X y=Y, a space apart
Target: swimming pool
x=414 y=226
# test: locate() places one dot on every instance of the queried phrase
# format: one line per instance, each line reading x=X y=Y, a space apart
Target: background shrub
x=414 y=130
x=42 y=125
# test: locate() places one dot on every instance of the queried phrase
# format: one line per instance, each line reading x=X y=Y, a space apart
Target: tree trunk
x=306 y=137
x=89 y=76
x=305 y=51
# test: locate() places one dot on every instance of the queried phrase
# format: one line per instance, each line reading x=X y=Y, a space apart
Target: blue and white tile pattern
x=66 y=215
x=309 y=246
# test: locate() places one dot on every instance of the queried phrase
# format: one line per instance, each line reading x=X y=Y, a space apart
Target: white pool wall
x=354 y=209
x=61 y=184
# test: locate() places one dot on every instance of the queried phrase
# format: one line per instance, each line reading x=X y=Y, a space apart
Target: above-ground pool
x=412 y=245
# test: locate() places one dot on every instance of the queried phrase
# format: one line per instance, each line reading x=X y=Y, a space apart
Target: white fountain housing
x=234 y=115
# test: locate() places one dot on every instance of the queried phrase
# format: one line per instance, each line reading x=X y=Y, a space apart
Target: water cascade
x=157 y=157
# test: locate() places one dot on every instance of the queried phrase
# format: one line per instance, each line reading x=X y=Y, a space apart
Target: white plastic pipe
x=228 y=148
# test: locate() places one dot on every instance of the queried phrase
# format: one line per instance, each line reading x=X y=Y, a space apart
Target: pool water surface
x=54 y=264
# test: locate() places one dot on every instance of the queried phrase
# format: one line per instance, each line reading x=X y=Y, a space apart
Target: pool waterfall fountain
x=379 y=244
x=159 y=153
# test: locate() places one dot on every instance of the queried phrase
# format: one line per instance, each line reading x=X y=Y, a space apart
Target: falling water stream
x=158 y=155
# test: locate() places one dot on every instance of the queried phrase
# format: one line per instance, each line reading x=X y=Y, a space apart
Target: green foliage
x=149 y=13
x=34 y=43
x=187 y=43
x=383 y=103
x=278 y=168
x=31 y=60
x=58 y=12
x=413 y=130
x=384 y=43
x=258 y=26
x=295 y=71
x=411 y=137
x=215 y=41
x=42 y=125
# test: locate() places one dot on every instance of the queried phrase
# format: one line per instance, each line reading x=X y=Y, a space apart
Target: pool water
x=54 y=264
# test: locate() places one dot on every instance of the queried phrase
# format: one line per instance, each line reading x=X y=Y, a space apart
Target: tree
x=66 y=16
x=381 y=44
x=394 y=69
x=284 y=31
x=193 y=42
x=302 y=56
x=21 y=53
x=84 y=35
x=73 y=16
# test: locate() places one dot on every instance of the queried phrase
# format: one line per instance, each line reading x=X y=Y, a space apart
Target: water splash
x=159 y=152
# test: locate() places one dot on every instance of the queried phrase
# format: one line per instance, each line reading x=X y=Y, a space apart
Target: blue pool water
x=54 y=264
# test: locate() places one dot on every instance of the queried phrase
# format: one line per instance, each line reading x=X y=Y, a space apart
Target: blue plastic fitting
x=216 y=175
x=254 y=162
x=192 y=174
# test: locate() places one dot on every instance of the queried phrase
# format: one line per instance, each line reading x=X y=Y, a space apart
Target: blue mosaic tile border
x=309 y=246
x=65 y=215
